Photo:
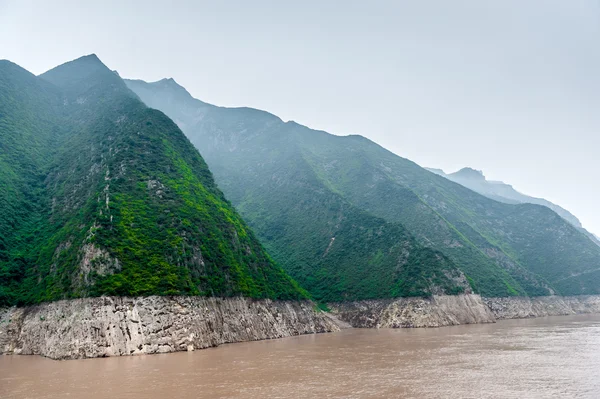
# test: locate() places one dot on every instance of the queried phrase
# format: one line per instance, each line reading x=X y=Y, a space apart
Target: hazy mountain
x=301 y=189
x=334 y=249
x=476 y=181
x=103 y=195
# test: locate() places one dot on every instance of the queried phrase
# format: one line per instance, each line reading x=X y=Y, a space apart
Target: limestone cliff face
x=117 y=326
x=523 y=307
x=439 y=311
x=436 y=311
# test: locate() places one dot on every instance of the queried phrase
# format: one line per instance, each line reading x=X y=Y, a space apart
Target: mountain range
x=500 y=191
x=328 y=208
x=108 y=189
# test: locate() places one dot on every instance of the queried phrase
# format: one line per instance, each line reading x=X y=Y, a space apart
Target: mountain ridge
x=504 y=192
x=488 y=240
x=108 y=197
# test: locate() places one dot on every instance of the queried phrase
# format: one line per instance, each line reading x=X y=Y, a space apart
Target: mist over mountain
x=301 y=190
x=333 y=248
x=500 y=191
x=105 y=196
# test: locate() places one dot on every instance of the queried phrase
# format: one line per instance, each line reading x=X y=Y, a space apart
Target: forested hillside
x=102 y=195
x=270 y=168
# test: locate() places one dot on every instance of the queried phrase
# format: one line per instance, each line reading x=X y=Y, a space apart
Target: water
x=537 y=358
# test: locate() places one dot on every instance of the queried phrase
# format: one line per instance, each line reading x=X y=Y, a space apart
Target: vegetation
x=335 y=250
x=104 y=196
x=299 y=188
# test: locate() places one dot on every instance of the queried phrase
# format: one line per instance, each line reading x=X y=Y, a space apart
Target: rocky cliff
x=439 y=311
x=436 y=311
x=523 y=307
x=119 y=326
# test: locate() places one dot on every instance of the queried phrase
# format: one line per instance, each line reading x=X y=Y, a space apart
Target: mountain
x=305 y=191
x=499 y=191
x=332 y=248
x=102 y=195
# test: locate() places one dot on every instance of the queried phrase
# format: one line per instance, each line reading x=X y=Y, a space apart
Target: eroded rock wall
x=524 y=307
x=436 y=311
x=439 y=311
x=117 y=326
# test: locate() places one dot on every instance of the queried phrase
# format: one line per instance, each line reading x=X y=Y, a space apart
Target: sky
x=509 y=87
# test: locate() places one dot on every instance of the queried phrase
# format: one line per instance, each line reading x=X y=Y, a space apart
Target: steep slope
x=504 y=249
x=28 y=132
x=332 y=248
x=499 y=191
x=105 y=196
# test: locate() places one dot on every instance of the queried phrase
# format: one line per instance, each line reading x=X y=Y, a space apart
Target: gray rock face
x=523 y=307
x=437 y=311
x=117 y=326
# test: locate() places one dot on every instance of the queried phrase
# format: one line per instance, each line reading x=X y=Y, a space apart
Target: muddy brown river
x=554 y=357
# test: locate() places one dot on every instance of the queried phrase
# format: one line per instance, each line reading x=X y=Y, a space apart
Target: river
x=553 y=357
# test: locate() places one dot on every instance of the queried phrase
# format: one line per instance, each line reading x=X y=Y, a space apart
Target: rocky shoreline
x=443 y=310
x=436 y=311
x=121 y=326
x=523 y=307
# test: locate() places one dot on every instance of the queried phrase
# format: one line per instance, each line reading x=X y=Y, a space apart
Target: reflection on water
x=537 y=358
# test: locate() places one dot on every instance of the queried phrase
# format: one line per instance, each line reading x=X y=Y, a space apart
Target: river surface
x=553 y=357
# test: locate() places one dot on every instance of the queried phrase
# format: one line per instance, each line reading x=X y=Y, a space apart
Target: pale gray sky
x=511 y=87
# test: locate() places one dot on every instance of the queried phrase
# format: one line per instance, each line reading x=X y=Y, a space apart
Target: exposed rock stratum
x=118 y=326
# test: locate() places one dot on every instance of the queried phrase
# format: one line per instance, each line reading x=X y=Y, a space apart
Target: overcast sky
x=508 y=87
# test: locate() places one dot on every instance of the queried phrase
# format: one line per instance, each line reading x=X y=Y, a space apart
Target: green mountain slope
x=264 y=165
x=103 y=195
x=499 y=191
x=332 y=248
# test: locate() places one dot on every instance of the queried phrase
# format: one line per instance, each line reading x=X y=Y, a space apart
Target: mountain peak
x=469 y=173
x=90 y=57
x=170 y=81
x=80 y=69
x=90 y=60
x=171 y=84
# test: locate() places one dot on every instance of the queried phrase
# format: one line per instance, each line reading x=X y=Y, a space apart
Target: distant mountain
x=330 y=208
x=102 y=195
x=499 y=191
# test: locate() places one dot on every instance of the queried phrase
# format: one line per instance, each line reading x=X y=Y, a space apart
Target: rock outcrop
x=439 y=311
x=524 y=307
x=436 y=311
x=119 y=326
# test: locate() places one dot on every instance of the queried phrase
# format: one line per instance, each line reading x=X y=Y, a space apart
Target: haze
x=511 y=88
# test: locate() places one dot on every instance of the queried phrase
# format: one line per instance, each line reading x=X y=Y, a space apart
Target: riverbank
x=439 y=311
x=522 y=307
x=548 y=357
x=120 y=326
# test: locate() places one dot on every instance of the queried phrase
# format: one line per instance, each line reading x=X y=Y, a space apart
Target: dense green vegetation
x=292 y=184
x=104 y=196
x=339 y=252
x=335 y=250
